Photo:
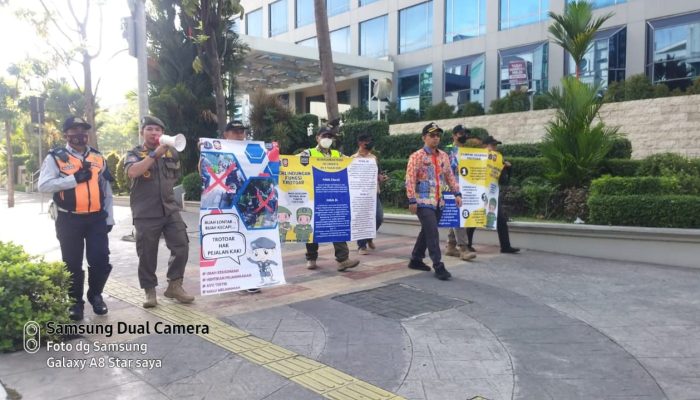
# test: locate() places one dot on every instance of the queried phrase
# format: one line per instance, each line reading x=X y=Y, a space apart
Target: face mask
x=462 y=139
x=326 y=142
x=78 y=140
x=369 y=145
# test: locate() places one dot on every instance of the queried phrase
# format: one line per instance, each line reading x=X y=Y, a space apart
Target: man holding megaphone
x=154 y=169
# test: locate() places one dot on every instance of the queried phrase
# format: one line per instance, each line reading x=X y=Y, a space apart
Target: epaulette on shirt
x=61 y=153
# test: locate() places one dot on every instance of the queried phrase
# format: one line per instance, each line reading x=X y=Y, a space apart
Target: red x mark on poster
x=264 y=203
x=221 y=180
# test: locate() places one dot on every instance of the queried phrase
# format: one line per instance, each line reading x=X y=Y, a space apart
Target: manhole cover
x=398 y=301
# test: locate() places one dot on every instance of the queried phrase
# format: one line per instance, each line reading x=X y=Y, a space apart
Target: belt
x=75 y=213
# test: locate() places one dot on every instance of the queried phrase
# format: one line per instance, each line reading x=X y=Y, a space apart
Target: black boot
x=97 y=278
x=441 y=272
x=75 y=312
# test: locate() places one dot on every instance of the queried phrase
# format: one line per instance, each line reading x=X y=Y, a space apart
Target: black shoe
x=510 y=250
x=75 y=312
x=442 y=273
x=419 y=265
x=470 y=248
x=98 y=305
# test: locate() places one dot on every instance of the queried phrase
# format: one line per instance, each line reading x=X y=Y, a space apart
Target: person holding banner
x=501 y=218
x=325 y=138
x=364 y=150
x=154 y=168
x=235 y=130
x=427 y=170
x=459 y=239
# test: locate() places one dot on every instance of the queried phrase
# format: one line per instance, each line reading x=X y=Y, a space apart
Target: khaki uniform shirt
x=152 y=193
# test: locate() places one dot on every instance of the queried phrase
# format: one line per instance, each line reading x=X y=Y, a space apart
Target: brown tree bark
x=10 y=166
x=325 y=57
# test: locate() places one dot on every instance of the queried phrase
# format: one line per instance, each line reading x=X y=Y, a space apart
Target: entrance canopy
x=285 y=67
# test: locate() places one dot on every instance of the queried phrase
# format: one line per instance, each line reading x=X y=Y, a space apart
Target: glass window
x=305 y=12
x=416 y=89
x=524 y=67
x=343 y=98
x=374 y=39
x=416 y=27
x=278 y=17
x=464 y=19
x=674 y=50
x=253 y=23
x=522 y=12
x=603 y=3
x=310 y=42
x=365 y=2
x=335 y=7
x=605 y=61
x=340 y=40
x=464 y=81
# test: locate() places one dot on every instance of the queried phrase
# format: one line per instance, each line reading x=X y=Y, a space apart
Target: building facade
x=477 y=50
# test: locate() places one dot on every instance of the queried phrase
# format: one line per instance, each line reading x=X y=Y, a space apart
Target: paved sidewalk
x=527 y=326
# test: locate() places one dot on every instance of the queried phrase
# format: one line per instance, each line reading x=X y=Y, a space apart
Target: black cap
x=72 y=122
x=324 y=130
x=234 y=125
x=151 y=120
x=458 y=128
x=491 y=140
x=430 y=128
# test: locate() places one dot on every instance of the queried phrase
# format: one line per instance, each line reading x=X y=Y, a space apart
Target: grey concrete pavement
x=527 y=326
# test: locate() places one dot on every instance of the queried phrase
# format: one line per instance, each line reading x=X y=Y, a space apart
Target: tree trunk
x=325 y=57
x=89 y=99
x=10 y=166
x=217 y=82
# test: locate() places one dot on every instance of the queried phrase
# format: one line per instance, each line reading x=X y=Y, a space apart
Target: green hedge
x=671 y=211
x=192 y=183
x=525 y=167
x=520 y=150
x=31 y=289
x=617 y=167
x=351 y=130
x=669 y=164
x=646 y=185
x=621 y=149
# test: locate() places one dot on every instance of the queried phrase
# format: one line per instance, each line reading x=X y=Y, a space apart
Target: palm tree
x=575 y=29
x=325 y=58
x=575 y=143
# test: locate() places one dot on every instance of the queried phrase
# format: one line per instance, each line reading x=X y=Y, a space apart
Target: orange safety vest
x=86 y=197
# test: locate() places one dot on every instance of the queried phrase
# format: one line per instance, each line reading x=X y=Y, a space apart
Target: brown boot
x=343 y=265
x=466 y=255
x=151 y=300
x=452 y=250
x=175 y=291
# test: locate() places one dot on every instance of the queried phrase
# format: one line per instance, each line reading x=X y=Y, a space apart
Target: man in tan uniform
x=154 y=169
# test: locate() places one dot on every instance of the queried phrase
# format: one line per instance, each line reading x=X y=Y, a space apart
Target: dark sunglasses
x=434 y=134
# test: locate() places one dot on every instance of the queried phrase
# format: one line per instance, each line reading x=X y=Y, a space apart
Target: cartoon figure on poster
x=284 y=226
x=264 y=250
x=303 y=229
x=238 y=217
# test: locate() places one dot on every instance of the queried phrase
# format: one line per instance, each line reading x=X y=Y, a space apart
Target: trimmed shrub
x=399 y=146
x=192 y=183
x=350 y=132
x=31 y=289
x=410 y=115
x=471 y=109
x=520 y=150
x=514 y=101
x=393 y=190
x=621 y=149
x=393 y=164
x=539 y=196
x=527 y=167
x=355 y=114
x=647 y=185
x=619 y=167
x=541 y=102
x=671 y=211
x=668 y=164
x=513 y=200
x=441 y=110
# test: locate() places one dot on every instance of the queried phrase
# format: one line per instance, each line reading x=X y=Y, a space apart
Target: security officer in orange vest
x=78 y=177
x=155 y=169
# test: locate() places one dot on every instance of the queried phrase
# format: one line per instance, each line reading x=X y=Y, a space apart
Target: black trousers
x=342 y=252
x=429 y=237
x=502 y=229
x=78 y=233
